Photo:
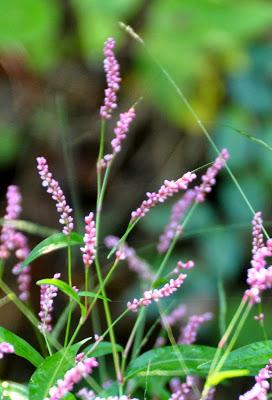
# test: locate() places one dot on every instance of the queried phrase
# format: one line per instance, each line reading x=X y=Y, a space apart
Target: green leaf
x=170 y=361
x=219 y=377
x=102 y=349
x=13 y=391
x=52 y=243
x=252 y=357
x=50 y=370
x=21 y=347
x=66 y=289
x=92 y=294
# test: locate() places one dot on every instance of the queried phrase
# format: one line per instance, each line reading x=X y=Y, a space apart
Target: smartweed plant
x=175 y=367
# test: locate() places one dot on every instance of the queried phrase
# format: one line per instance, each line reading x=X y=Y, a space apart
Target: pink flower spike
x=262 y=385
x=89 y=250
x=168 y=189
x=208 y=179
x=257 y=233
x=177 y=213
x=181 y=391
x=48 y=293
x=111 y=68
x=13 y=211
x=156 y=294
x=81 y=370
x=189 y=333
x=176 y=315
x=5 y=348
x=54 y=189
x=135 y=263
x=183 y=265
x=120 y=131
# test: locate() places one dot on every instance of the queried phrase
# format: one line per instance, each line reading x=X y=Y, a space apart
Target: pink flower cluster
x=11 y=240
x=120 y=131
x=111 y=68
x=13 y=211
x=81 y=370
x=89 y=250
x=176 y=315
x=183 y=265
x=259 y=278
x=135 y=263
x=257 y=232
x=180 y=391
x=262 y=385
x=208 y=179
x=5 y=348
x=168 y=189
x=156 y=294
x=54 y=189
x=177 y=213
x=189 y=332
x=48 y=293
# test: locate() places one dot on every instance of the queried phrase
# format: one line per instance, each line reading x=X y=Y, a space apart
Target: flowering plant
x=68 y=368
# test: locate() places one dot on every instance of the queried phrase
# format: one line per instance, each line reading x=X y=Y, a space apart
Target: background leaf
x=21 y=347
x=53 y=243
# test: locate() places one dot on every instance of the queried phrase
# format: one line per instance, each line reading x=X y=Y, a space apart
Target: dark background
x=51 y=89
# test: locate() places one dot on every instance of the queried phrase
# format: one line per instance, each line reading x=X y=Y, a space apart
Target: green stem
x=69 y=318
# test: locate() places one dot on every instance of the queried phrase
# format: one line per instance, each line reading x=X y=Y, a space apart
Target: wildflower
x=208 y=179
x=180 y=391
x=81 y=370
x=183 y=265
x=135 y=263
x=13 y=211
x=54 y=189
x=257 y=233
x=89 y=250
x=156 y=294
x=259 y=278
x=120 y=131
x=5 y=348
x=177 y=213
x=85 y=394
x=168 y=189
x=111 y=68
x=48 y=292
x=261 y=387
x=189 y=332
x=176 y=315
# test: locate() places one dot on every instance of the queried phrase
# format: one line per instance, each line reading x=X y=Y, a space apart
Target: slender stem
x=130 y=227
x=86 y=284
x=47 y=343
x=69 y=318
x=1 y=268
x=130 y=341
x=99 y=203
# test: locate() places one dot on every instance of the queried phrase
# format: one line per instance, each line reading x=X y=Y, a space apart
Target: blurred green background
x=51 y=87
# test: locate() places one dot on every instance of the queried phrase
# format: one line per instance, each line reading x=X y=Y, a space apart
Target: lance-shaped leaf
x=21 y=347
x=178 y=360
x=52 y=243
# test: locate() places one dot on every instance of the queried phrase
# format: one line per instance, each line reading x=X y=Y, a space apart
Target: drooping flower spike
x=189 y=332
x=82 y=369
x=257 y=232
x=198 y=194
x=55 y=190
x=135 y=263
x=168 y=189
x=208 y=179
x=89 y=249
x=157 y=294
x=111 y=68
